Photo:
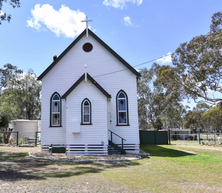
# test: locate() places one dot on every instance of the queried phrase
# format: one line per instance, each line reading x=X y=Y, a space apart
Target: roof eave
x=61 y=55
x=101 y=42
x=115 y=54
x=80 y=80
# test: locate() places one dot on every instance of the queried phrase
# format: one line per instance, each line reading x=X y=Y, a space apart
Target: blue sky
x=138 y=30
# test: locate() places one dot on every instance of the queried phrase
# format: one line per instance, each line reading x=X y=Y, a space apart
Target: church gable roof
x=101 y=42
x=91 y=80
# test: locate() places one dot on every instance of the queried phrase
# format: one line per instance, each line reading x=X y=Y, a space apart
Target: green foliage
x=154 y=100
x=174 y=115
x=21 y=95
x=196 y=66
x=21 y=141
x=4 y=121
x=193 y=120
x=213 y=117
x=7 y=109
x=4 y=16
x=7 y=74
x=159 y=124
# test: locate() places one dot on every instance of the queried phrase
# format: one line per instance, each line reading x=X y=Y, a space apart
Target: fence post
x=214 y=139
x=111 y=137
x=199 y=137
x=17 y=137
x=36 y=138
x=169 y=136
x=141 y=137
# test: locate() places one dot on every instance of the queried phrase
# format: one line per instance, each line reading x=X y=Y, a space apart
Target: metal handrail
x=116 y=135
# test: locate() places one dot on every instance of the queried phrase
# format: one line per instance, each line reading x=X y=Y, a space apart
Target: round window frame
x=86 y=44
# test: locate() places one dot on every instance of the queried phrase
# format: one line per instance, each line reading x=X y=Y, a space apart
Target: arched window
x=55 y=116
x=122 y=108
x=86 y=112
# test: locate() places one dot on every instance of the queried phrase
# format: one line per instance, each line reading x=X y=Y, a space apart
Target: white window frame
x=59 y=110
x=124 y=111
x=89 y=112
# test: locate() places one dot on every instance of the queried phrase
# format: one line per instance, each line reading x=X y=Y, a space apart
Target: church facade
x=89 y=100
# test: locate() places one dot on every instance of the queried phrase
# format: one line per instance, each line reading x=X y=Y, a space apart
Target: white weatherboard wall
x=66 y=72
x=89 y=134
x=51 y=135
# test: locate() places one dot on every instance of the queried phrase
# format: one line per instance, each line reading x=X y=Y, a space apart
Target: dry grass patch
x=168 y=169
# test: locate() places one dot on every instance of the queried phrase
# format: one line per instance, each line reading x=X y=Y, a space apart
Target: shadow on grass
x=18 y=166
x=156 y=150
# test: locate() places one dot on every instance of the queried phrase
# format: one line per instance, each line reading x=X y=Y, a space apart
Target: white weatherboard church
x=89 y=98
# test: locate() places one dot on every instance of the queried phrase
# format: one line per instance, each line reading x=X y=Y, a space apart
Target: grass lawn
x=170 y=168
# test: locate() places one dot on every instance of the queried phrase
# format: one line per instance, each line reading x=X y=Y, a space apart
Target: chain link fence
x=210 y=139
x=189 y=139
x=196 y=139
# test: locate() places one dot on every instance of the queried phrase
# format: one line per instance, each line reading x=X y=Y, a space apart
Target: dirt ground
x=22 y=173
x=64 y=157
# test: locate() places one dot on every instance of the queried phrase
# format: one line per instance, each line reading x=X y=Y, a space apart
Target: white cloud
x=64 y=21
x=165 y=59
x=127 y=20
x=1 y=13
x=120 y=3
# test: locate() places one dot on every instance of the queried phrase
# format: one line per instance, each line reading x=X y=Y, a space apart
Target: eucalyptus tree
x=153 y=98
x=213 y=117
x=197 y=65
x=4 y=16
x=7 y=74
x=174 y=116
x=23 y=92
x=194 y=118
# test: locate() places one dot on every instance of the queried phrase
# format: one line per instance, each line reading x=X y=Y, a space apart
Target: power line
x=133 y=66
x=152 y=60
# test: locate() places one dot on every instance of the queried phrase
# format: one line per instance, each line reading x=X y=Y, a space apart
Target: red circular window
x=87 y=47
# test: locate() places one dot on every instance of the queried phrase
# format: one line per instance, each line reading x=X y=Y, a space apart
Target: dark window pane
x=56 y=97
x=56 y=106
x=86 y=110
x=86 y=103
x=122 y=117
x=55 y=119
x=122 y=104
x=121 y=95
x=86 y=118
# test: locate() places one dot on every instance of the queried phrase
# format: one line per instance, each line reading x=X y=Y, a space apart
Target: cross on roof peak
x=86 y=20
